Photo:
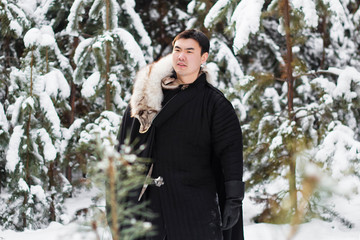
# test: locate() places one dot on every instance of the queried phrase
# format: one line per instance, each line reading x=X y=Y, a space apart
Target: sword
x=158 y=182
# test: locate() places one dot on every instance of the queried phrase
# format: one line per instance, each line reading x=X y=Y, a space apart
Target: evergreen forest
x=290 y=68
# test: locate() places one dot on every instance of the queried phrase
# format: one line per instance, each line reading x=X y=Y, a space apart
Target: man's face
x=187 y=59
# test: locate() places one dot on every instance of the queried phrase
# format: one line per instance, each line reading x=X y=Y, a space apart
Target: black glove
x=234 y=191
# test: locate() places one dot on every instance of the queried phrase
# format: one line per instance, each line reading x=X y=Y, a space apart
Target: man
x=193 y=136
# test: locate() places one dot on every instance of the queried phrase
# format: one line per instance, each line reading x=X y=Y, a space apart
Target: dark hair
x=198 y=36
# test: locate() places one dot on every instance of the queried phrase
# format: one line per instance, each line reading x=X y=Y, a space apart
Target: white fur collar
x=147 y=94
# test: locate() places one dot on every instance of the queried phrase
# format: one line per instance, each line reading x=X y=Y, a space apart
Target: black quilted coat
x=195 y=143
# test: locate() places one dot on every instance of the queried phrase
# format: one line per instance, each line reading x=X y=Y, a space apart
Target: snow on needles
x=54 y=84
x=342 y=89
x=50 y=113
x=340 y=145
x=12 y=155
x=214 y=12
x=39 y=37
x=131 y=46
x=89 y=85
x=49 y=149
x=346 y=77
x=224 y=53
x=4 y=125
x=247 y=19
x=38 y=191
x=23 y=185
x=129 y=6
x=308 y=8
x=76 y=7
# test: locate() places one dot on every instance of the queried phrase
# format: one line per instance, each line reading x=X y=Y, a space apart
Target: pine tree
x=278 y=47
x=222 y=60
x=116 y=174
x=163 y=20
x=14 y=22
x=105 y=63
x=36 y=185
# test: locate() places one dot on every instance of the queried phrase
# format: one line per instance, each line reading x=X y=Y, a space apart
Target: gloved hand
x=234 y=191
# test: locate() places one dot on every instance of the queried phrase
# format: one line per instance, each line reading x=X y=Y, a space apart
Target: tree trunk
x=324 y=38
x=51 y=185
x=290 y=83
x=113 y=203
x=107 y=49
x=68 y=170
x=47 y=59
x=28 y=143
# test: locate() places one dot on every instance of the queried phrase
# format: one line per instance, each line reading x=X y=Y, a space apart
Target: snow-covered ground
x=314 y=230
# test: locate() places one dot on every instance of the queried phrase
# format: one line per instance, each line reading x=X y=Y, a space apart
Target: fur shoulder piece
x=147 y=94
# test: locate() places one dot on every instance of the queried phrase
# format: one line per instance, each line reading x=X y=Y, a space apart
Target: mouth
x=181 y=64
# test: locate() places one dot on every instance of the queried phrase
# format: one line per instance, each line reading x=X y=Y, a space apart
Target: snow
x=68 y=133
x=55 y=84
x=4 y=125
x=16 y=110
x=50 y=113
x=32 y=37
x=105 y=127
x=308 y=8
x=226 y=54
x=191 y=8
x=93 y=12
x=42 y=8
x=38 y=191
x=23 y=185
x=28 y=102
x=324 y=83
x=49 y=149
x=16 y=16
x=339 y=144
x=273 y=46
x=129 y=6
x=131 y=46
x=64 y=62
x=338 y=19
x=247 y=19
x=114 y=9
x=14 y=25
x=90 y=84
x=43 y=37
x=76 y=7
x=346 y=77
x=214 y=12
x=272 y=95
x=28 y=6
x=118 y=100
x=80 y=49
x=313 y=230
x=276 y=142
x=12 y=155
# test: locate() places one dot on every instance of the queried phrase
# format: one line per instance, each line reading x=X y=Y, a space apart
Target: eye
x=141 y=112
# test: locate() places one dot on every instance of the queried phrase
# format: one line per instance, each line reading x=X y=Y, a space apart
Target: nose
x=181 y=56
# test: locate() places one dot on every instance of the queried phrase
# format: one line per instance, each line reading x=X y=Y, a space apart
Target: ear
x=204 y=57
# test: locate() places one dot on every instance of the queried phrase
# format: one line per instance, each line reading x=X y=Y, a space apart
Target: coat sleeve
x=129 y=131
x=226 y=138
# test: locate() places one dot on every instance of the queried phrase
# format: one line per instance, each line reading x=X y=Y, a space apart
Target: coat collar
x=147 y=94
